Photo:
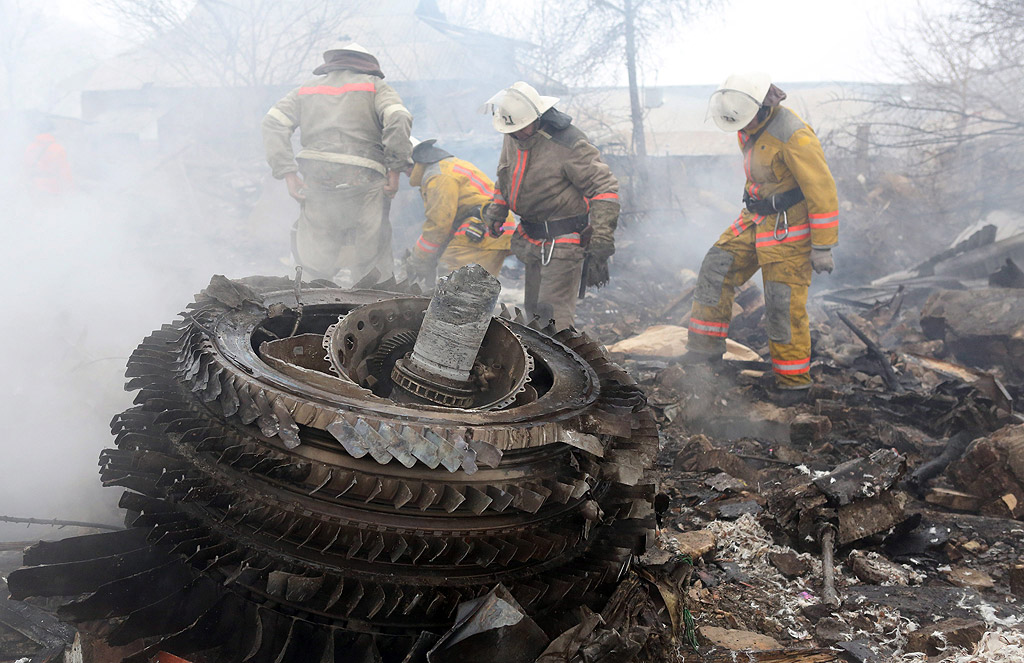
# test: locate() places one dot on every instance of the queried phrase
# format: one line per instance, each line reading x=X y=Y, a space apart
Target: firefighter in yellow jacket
x=787 y=228
x=454 y=192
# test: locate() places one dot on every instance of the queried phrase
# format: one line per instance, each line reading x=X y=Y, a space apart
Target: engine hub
x=286 y=503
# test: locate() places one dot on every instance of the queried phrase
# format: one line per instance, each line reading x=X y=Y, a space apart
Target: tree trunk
x=635 y=112
x=639 y=188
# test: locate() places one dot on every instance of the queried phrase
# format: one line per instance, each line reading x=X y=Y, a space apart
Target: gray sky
x=794 y=40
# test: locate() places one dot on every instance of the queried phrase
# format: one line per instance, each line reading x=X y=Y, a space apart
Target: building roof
x=676 y=123
x=411 y=45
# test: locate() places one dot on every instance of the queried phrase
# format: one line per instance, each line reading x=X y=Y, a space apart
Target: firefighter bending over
x=454 y=192
x=566 y=197
x=788 y=226
x=354 y=132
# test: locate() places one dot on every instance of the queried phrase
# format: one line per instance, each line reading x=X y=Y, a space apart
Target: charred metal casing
x=281 y=507
x=439 y=368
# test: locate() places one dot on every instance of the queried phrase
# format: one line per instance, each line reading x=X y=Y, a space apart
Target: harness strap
x=556 y=228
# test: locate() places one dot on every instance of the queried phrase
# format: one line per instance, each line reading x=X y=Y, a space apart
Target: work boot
x=789 y=396
x=695 y=358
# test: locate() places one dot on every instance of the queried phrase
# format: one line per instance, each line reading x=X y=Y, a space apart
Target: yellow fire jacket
x=781 y=154
x=451 y=189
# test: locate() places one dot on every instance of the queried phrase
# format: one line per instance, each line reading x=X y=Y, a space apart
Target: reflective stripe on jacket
x=786 y=155
x=343 y=117
x=46 y=165
x=449 y=188
x=558 y=174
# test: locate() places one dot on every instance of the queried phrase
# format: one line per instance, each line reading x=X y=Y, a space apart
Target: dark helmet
x=427 y=152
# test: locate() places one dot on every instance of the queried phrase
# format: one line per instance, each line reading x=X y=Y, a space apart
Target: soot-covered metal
x=290 y=503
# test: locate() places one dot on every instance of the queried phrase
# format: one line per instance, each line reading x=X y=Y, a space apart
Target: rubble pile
x=874 y=518
x=905 y=460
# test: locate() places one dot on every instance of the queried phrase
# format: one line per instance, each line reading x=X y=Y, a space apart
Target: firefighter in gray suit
x=354 y=133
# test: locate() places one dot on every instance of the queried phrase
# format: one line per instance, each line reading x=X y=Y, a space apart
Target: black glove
x=601 y=247
x=599 y=250
x=596 y=274
x=494 y=216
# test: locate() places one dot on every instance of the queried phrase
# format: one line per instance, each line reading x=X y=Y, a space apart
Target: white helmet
x=345 y=46
x=516 y=107
x=735 y=103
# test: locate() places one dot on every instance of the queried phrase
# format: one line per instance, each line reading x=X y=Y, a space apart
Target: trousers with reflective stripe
x=786 y=274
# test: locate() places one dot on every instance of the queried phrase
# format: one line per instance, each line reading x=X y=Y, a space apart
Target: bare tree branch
x=236 y=42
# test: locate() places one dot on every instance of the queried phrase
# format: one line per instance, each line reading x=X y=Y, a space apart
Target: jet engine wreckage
x=328 y=474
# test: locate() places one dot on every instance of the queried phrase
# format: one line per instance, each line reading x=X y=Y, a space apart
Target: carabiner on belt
x=781 y=221
x=545 y=259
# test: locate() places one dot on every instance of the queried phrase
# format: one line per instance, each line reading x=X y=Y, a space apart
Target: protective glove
x=599 y=249
x=391 y=188
x=420 y=269
x=821 y=260
x=296 y=187
x=596 y=274
x=494 y=216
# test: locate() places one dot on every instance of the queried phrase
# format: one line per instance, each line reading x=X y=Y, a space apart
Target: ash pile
x=319 y=474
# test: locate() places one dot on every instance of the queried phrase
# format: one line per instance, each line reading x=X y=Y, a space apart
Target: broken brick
x=809 y=429
x=737 y=640
x=936 y=638
x=789 y=564
x=962 y=576
x=694 y=544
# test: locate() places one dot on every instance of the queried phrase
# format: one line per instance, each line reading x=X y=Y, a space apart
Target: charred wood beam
x=955 y=448
x=888 y=374
x=828 y=569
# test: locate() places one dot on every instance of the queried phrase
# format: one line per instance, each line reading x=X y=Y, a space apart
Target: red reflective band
x=794 y=367
x=606 y=196
x=822 y=221
x=333 y=91
x=517 y=176
x=796 y=234
x=474 y=180
x=738 y=226
x=571 y=238
x=426 y=245
x=709 y=323
x=708 y=328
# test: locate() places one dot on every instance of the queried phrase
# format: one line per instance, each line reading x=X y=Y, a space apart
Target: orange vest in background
x=46 y=166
